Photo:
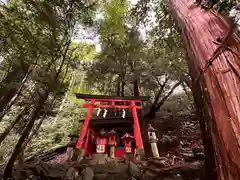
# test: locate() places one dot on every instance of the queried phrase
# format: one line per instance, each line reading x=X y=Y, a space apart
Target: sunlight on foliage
x=114 y=12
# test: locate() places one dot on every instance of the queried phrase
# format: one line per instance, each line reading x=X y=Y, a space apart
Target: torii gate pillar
x=137 y=132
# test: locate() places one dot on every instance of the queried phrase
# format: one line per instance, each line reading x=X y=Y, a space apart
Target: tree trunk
x=12 y=78
x=136 y=90
x=14 y=98
x=18 y=147
x=118 y=87
x=122 y=88
x=218 y=93
x=42 y=99
x=25 y=134
x=34 y=132
x=157 y=105
x=11 y=125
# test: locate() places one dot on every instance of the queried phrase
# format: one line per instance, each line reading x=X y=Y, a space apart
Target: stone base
x=140 y=154
x=112 y=151
x=98 y=158
x=128 y=157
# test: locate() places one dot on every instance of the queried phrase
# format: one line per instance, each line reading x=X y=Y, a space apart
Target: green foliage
x=225 y=6
x=55 y=129
x=148 y=61
x=83 y=51
x=38 y=35
x=114 y=11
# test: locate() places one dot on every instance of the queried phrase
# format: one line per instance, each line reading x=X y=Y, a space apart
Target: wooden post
x=79 y=151
x=86 y=145
x=137 y=131
x=85 y=126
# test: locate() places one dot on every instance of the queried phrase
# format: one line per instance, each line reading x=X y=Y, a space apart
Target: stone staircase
x=97 y=159
x=105 y=168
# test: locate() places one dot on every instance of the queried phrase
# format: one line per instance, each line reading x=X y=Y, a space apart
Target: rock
x=134 y=171
x=80 y=167
x=177 y=177
x=192 y=170
x=112 y=164
x=100 y=176
x=49 y=172
x=98 y=159
x=88 y=174
x=141 y=165
x=121 y=174
x=71 y=174
x=57 y=171
x=79 y=178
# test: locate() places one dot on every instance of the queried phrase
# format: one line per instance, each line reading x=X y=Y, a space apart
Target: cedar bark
x=217 y=93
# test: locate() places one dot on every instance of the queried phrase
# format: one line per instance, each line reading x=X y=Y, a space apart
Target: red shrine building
x=111 y=126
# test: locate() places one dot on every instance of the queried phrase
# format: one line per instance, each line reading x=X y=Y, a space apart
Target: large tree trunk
x=6 y=131
x=18 y=148
x=218 y=93
x=203 y=114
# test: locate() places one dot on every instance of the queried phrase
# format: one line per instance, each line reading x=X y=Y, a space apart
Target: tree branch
x=167 y=96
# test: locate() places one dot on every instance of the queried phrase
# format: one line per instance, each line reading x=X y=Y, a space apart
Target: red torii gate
x=130 y=100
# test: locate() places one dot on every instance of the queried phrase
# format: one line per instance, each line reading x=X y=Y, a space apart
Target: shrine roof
x=89 y=96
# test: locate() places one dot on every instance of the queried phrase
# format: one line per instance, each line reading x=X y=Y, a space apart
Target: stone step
x=98 y=159
x=106 y=170
x=99 y=156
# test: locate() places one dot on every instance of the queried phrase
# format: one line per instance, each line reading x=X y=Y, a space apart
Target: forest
x=183 y=54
